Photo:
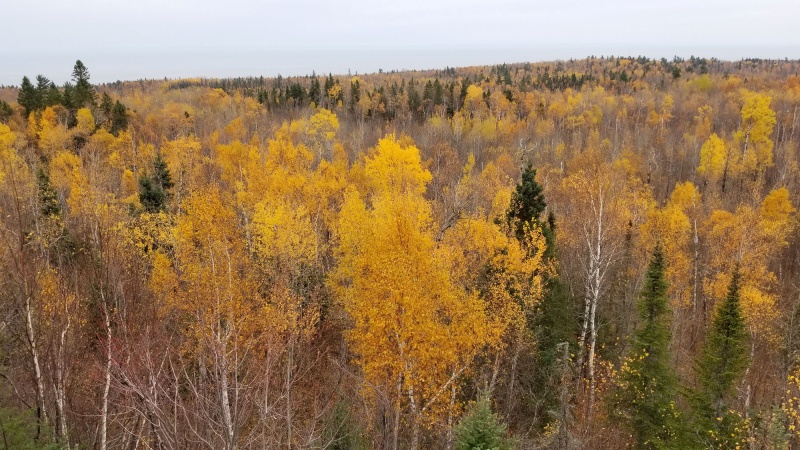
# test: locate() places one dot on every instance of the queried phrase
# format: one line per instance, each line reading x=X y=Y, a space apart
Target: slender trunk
x=41 y=410
x=61 y=418
x=495 y=372
x=512 y=382
x=289 y=394
x=107 y=385
x=582 y=338
x=227 y=417
x=592 y=345
x=449 y=445
x=414 y=419
x=396 y=430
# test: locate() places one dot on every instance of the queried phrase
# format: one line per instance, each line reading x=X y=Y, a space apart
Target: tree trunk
x=41 y=410
x=107 y=385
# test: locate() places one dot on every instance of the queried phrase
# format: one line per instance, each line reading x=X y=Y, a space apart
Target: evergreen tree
x=527 y=204
x=83 y=94
x=722 y=364
x=107 y=107
x=552 y=322
x=153 y=190
x=52 y=96
x=119 y=119
x=48 y=198
x=645 y=397
x=314 y=93
x=481 y=429
x=27 y=97
x=67 y=98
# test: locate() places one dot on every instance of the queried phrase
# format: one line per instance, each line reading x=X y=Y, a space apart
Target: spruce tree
x=83 y=93
x=527 y=204
x=552 y=322
x=722 y=364
x=119 y=118
x=153 y=190
x=645 y=397
x=481 y=429
x=27 y=97
x=48 y=197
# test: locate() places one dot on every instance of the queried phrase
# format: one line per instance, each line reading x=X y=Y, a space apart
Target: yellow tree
x=672 y=226
x=209 y=289
x=753 y=139
x=713 y=160
x=414 y=332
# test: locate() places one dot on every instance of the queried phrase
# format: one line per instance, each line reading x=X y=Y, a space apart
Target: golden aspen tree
x=713 y=159
x=753 y=139
x=210 y=289
x=414 y=332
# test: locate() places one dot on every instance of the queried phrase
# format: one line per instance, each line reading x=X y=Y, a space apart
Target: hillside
x=606 y=249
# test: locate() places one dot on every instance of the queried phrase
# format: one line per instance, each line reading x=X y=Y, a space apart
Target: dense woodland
x=599 y=253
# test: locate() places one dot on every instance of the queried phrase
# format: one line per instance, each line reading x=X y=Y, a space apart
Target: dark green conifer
x=645 y=398
x=27 y=97
x=723 y=362
x=83 y=94
x=481 y=429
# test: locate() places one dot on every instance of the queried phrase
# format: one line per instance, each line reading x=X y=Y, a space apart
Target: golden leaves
x=395 y=168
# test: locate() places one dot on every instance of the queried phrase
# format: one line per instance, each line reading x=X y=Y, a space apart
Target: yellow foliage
x=411 y=324
x=753 y=137
x=395 y=168
x=284 y=234
x=236 y=130
x=9 y=159
x=85 y=121
x=713 y=158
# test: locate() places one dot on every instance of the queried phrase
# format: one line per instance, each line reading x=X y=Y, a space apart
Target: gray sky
x=133 y=39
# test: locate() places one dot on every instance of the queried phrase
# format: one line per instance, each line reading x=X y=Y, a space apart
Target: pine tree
x=645 y=397
x=153 y=190
x=48 y=197
x=27 y=97
x=119 y=118
x=722 y=364
x=553 y=320
x=527 y=204
x=481 y=429
x=83 y=93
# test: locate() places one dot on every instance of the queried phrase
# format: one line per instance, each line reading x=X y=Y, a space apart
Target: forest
x=600 y=253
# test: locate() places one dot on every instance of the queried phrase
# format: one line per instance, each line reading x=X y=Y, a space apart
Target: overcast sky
x=133 y=39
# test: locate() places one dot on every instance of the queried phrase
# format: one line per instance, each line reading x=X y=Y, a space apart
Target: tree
x=481 y=429
x=5 y=111
x=723 y=361
x=83 y=92
x=527 y=205
x=646 y=394
x=27 y=96
x=758 y=120
x=119 y=118
x=552 y=319
x=153 y=189
x=414 y=332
